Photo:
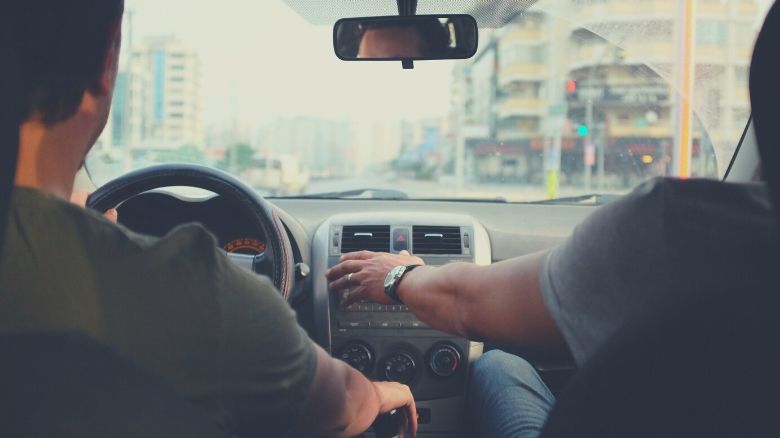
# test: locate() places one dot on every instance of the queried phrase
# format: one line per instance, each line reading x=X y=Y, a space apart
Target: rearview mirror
x=405 y=38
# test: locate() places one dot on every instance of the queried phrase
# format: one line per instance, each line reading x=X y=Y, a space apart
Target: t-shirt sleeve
x=268 y=360
x=606 y=273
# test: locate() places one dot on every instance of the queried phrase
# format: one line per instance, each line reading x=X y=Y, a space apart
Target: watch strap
x=392 y=291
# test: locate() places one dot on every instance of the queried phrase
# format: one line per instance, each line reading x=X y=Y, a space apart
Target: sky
x=260 y=59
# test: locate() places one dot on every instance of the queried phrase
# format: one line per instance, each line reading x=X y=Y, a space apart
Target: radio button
x=353 y=324
x=419 y=325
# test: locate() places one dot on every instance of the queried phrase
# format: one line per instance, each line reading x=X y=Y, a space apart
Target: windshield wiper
x=383 y=194
x=589 y=199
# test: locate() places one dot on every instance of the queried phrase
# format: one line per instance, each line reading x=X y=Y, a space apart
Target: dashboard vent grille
x=365 y=237
x=436 y=240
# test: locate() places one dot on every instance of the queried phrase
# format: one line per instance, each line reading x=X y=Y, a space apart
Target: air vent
x=365 y=237
x=436 y=240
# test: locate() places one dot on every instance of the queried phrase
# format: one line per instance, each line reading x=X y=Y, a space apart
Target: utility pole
x=460 y=136
x=681 y=156
x=556 y=111
x=588 y=147
x=127 y=110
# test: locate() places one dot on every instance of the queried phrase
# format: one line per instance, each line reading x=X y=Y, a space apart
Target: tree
x=238 y=157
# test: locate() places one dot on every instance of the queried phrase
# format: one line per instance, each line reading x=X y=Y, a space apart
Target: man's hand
x=360 y=276
x=394 y=395
x=79 y=197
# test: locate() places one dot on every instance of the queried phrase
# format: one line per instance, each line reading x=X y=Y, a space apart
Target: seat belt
x=765 y=100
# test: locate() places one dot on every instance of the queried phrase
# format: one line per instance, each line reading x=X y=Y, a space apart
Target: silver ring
x=349 y=277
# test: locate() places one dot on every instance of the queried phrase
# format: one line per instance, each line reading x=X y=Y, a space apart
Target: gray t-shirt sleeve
x=268 y=360
x=606 y=273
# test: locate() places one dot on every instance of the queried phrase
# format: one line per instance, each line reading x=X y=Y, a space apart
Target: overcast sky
x=260 y=59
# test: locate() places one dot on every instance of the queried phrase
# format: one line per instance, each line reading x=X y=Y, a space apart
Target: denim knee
x=496 y=370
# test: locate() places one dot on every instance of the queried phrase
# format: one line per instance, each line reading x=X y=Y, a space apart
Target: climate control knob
x=445 y=360
x=358 y=356
x=400 y=368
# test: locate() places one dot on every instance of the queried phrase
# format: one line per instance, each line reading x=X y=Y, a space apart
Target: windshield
x=563 y=99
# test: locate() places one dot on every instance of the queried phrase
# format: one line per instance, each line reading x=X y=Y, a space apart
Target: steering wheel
x=277 y=260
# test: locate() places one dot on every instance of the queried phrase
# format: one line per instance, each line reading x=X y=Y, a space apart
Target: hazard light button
x=401 y=239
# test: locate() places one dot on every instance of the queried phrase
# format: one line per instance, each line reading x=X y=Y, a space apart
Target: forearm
x=362 y=405
x=501 y=303
x=434 y=295
x=341 y=401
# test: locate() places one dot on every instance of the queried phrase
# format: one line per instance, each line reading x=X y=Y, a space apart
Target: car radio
x=387 y=342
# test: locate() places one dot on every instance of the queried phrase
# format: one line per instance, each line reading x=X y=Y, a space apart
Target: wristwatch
x=394 y=278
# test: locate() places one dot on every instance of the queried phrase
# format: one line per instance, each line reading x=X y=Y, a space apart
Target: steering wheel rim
x=263 y=214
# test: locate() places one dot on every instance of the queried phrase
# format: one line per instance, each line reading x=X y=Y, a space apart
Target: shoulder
x=104 y=241
x=671 y=199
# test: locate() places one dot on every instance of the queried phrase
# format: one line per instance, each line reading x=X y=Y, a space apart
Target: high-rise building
x=162 y=107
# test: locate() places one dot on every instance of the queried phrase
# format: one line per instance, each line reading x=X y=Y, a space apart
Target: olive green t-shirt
x=176 y=305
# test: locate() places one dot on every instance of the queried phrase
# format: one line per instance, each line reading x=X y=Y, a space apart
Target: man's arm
x=277 y=382
x=343 y=403
x=500 y=303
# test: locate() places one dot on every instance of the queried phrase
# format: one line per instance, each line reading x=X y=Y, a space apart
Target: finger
x=404 y=253
x=344 y=268
x=353 y=297
x=112 y=215
x=358 y=255
x=412 y=416
x=347 y=281
x=409 y=409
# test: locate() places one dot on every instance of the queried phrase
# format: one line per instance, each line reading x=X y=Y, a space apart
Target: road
x=440 y=189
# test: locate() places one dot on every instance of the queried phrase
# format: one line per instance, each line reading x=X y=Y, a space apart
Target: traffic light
x=583 y=130
x=571 y=86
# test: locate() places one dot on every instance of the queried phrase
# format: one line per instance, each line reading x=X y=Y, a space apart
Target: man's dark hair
x=61 y=48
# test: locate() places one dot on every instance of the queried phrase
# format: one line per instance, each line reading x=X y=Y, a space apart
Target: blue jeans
x=507 y=398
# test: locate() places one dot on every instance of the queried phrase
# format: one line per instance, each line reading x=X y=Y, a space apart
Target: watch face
x=393 y=275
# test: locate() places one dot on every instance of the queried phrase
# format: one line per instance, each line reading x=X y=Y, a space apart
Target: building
x=160 y=105
x=614 y=63
x=473 y=120
x=323 y=146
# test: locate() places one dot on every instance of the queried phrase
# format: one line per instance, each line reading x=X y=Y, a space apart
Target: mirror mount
x=407 y=8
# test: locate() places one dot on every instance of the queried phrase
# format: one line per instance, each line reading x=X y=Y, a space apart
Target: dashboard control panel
x=387 y=342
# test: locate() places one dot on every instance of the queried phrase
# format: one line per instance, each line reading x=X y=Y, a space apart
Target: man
x=426 y=38
x=668 y=242
x=219 y=334
x=423 y=39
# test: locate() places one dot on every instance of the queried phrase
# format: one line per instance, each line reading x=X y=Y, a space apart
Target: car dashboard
x=387 y=342
x=384 y=342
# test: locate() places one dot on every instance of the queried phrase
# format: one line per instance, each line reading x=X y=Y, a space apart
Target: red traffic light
x=571 y=86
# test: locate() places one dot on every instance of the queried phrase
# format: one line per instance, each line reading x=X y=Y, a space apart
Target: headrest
x=10 y=105
x=765 y=100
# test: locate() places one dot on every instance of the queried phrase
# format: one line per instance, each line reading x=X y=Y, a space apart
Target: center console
x=387 y=342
